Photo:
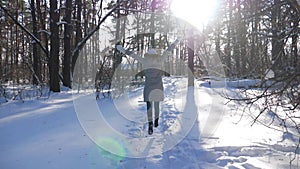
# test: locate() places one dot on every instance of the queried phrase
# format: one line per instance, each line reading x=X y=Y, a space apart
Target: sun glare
x=196 y=12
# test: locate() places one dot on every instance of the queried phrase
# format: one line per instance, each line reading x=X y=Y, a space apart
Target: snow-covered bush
x=10 y=91
x=274 y=102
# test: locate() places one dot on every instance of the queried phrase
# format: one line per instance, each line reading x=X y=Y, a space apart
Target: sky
x=196 y=12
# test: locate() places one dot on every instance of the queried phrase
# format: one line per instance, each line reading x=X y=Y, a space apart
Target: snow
x=65 y=131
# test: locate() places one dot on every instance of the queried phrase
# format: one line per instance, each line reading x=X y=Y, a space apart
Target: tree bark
x=117 y=56
x=295 y=36
x=229 y=36
x=78 y=36
x=191 y=60
x=54 y=47
x=35 y=52
x=276 y=47
x=67 y=45
x=152 y=28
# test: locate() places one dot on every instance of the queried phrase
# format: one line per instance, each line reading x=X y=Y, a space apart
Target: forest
x=41 y=40
x=250 y=37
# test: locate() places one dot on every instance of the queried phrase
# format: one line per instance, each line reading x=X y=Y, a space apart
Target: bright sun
x=196 y=12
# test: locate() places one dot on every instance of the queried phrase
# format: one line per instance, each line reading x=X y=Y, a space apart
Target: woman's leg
x=150 y=120
x=156 y=110
x=149 y=111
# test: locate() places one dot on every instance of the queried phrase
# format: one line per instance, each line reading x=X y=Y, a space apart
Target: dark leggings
x=149 y=110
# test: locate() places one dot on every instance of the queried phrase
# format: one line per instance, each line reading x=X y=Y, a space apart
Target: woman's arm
x=129 y=53
x=170 y=48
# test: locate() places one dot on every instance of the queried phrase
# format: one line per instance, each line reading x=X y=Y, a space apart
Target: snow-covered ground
x=64 y=132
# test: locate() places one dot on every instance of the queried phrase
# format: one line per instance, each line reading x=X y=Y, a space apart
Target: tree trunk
x=16 y=42
x=78 y=37
x=254 y=39
x=41 y=25
x=295 y=36
x=229 y=36
x=217 y=35
x=54 y=47
x=152 y=28
x=276 y=47
x=67 y=46
x=85 y=32
x=191 y=60
x=117 y=56
x=36 y=58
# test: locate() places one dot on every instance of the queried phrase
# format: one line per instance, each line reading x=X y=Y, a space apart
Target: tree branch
x=27 y=31
x=80 y=45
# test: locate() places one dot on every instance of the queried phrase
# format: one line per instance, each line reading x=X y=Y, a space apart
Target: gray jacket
x=153 y=90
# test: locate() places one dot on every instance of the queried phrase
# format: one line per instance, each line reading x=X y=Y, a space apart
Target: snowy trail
x=47 y=134
x=189 y=153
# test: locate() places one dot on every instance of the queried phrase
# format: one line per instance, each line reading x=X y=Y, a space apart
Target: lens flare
x=114 y=145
